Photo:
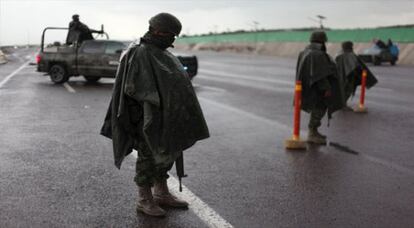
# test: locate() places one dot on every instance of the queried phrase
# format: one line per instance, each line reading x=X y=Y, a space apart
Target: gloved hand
x=328 y=93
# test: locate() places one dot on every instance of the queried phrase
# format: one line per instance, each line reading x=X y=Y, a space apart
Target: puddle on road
x=342 y=148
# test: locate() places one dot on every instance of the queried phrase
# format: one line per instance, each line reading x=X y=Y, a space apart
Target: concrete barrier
x=2 y=58
x=290 y=49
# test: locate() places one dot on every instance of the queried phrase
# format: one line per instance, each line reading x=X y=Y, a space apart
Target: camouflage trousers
x=349 y=87
x=147 y=172
x=348 y=91
x=316 y=115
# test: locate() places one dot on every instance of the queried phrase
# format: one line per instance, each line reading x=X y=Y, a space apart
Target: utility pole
x=319 y=20
x=256 y=25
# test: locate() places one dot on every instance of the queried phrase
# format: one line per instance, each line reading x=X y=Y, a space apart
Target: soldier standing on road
x=321 y=90
x=350 y=68
x=78 y=31
x=154 y=110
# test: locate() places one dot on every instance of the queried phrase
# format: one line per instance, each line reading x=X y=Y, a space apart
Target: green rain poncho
x=154 y=102
x=313 y=65
x=349 y=65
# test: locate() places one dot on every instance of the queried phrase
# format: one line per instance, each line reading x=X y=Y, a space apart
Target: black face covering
x=323 y=47
x=162 y=42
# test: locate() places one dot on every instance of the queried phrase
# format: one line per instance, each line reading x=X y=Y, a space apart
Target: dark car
x=93 y=59
x=377 y=55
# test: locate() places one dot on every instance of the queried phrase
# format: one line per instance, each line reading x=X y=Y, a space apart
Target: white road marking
x=388 y=164
x=69 y=88
x=367 y=157
x=247 y=114
x=244 y=83
x=8 y=77
x=251 y=78
x=209 y=88
x=210 y=217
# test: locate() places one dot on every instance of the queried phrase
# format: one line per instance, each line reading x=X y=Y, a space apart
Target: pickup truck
x=377 y=55
x=93 y=59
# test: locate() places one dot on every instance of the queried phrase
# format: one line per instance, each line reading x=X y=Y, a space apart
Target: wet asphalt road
x=56 y=171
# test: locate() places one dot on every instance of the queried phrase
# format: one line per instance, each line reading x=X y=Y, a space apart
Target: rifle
x=179 y=167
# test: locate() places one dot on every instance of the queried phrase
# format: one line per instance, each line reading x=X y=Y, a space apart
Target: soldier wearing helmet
x=321 y=90
x=350 y=68
x=78 y=31
x=155 y=111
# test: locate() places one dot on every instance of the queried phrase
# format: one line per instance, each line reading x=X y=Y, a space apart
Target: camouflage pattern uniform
x=320 y=107
x=147 y=173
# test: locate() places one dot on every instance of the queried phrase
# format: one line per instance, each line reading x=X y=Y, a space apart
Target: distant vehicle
x=377 y=55
x=93 y=59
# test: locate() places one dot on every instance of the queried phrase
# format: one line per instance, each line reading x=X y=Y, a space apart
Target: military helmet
x=165 y=22
x=347 y=45
x=319 y=37
x=75 y=16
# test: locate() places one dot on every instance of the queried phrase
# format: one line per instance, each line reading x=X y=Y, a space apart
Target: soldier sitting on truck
x=78 y=31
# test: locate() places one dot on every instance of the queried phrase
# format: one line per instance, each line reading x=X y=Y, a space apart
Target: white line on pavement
x=244 y=83
x=209 y=88
x=5 y=80
x=200 y=208
x=367 y=157
x=251 y=78
x=69 y=88
x=247 y=114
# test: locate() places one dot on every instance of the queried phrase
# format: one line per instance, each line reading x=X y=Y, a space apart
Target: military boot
x=315 y=137
x=164 y=198
x=146 y=203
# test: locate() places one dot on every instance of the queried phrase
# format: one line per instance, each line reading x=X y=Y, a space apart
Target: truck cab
x=92 y=59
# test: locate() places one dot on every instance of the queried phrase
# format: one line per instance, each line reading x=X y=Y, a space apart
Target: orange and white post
x=361 y=106
x=295 y=142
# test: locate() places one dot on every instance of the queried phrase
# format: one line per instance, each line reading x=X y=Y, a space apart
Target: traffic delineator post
x=295 y=143
x=361 y=106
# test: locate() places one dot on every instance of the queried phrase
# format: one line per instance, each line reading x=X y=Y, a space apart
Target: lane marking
x=216 y=89
x=239 y=76
x=367 y=157
x=247 y=114
x=8 y=77
x=69 y=88
x=243 y=83
x=210 y=217
x=389 y=164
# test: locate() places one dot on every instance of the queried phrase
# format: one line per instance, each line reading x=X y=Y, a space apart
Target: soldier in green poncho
x=350 y=68
x=154 y=110
x=321 y=87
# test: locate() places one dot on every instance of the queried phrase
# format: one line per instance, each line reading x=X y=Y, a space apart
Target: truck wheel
x=58 y=74
x=92 y=78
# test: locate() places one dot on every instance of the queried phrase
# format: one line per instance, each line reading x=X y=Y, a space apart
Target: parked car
x=93 y=59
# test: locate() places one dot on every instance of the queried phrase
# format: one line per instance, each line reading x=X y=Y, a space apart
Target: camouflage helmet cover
x=165 y=22
x=319 y=37
x=347 y=45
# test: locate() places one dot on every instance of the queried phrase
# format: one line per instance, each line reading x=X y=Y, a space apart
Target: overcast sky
x=22 y=21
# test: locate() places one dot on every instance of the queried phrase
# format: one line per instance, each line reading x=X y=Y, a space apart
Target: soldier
x=78 y=32
x=154 y=110
x=350 y=68
x=321 y=90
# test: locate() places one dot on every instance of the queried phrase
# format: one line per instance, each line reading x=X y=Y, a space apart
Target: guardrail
x=401 y=35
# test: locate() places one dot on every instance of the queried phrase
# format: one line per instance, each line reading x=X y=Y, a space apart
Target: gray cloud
x=22 y=21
